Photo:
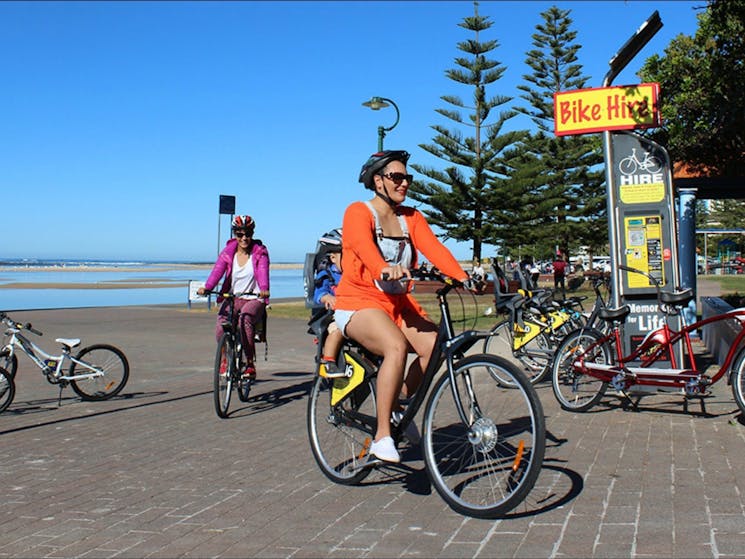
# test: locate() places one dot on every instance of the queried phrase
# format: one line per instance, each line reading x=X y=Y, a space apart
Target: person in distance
x=244 y=262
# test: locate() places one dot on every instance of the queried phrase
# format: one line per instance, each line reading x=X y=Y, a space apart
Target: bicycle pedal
x=370 y=462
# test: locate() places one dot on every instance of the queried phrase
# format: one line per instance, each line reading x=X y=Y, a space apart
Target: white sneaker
x=385 y=450
x=411 y=432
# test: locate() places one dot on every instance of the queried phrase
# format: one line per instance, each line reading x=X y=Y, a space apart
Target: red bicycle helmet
x=243 y=222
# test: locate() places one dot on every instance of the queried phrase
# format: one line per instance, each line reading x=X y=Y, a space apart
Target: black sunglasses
x=241 y=234
x=398 y=178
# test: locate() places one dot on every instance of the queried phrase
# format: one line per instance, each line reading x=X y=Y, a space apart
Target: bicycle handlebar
x=449 y=283
x=13 y=324
x=229 y=295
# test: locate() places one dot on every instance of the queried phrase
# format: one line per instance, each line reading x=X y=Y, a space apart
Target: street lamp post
x=377 y=103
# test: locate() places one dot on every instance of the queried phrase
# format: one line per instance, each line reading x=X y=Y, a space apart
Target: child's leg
x=331 y=348
x=333 y=342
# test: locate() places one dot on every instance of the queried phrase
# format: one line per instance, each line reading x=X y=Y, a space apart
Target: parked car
x=601 y=263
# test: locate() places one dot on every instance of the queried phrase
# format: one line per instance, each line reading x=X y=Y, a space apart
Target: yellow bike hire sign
x=626 y=107
x=343 y=386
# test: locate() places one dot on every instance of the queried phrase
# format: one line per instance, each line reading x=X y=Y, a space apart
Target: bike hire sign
x=583 y=111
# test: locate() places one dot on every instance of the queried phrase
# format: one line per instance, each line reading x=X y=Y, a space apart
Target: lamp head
x=376 y=103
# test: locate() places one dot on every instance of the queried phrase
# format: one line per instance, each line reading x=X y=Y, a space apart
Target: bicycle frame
x=34 y=352
x=447 y=346
x=658 y=344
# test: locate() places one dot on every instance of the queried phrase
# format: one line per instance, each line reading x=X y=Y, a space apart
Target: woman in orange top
x=379 y=247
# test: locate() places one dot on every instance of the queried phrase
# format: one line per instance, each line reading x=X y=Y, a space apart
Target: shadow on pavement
x=122 y=397
x=258 y=403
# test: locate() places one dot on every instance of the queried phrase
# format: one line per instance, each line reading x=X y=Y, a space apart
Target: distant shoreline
x=140 y=283
x=159 y=267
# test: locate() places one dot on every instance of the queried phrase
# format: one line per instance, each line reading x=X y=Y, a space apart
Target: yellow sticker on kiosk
x=644 y=249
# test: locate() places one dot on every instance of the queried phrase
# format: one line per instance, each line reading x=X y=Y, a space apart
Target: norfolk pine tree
x=569 y=206
x=458 y=196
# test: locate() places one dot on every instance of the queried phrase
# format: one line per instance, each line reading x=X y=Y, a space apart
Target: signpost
x=227 y=206
x=641 y=217
x=606 y=108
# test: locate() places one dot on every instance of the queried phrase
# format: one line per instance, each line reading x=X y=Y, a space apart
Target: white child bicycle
x=97 y=372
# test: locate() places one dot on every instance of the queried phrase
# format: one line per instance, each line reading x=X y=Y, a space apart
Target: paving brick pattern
x=155 y=473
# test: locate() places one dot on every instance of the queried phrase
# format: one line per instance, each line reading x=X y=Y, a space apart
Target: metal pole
x=619 y=61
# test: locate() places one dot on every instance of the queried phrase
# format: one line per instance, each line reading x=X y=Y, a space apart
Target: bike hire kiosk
x=641 y=217
x=645 y=232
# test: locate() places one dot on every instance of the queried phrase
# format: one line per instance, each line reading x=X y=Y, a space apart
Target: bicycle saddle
x=69 y=342
x=677 y=298
x=618 y=314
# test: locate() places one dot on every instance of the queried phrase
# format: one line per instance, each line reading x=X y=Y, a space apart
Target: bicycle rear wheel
x=532 y=359
x=104 y=358
x=738 y=381
x=8 y=362
x=574 y=390
x=486 y=467
x=7 y=389
x=223 y=376
x=340 y=435
x=242 y=385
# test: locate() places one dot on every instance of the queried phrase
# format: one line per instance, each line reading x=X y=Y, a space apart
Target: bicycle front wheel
x=486 y=466
x=340 y=435
x=7 y=389
x=9 y=362
x=223 y=376
x=100 y=358
x=532 y=359
x=574 y=390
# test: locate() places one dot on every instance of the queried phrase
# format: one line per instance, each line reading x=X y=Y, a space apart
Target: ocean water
x=285 y=283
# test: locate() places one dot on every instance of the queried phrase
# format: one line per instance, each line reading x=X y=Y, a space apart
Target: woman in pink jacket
x=245 y=264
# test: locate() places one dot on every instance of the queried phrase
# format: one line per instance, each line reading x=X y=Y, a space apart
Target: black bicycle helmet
x=331 y=241
x=377 y=162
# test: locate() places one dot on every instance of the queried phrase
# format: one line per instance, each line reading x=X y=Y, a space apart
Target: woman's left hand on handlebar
x=395 y=272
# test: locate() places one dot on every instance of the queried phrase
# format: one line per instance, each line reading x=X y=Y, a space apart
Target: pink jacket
x=224 y=266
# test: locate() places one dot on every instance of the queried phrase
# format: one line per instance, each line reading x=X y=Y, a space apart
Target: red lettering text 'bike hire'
x=609 y=108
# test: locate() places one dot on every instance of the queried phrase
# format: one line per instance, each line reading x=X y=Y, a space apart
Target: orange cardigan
x=362 y=262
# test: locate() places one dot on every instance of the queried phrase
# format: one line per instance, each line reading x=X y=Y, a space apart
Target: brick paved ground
x=154 y=473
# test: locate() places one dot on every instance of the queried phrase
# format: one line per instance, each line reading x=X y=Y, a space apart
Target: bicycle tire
x=114 y=364
x=627 y=166
x=223 y=376
x=574 y=390
x=737 y=379
x=532 y=359
x=340 y=442
x=9 y=362
x=242 y=385
x=487 y=468
x=243 y=388
x=7 y=390
x=653 y=165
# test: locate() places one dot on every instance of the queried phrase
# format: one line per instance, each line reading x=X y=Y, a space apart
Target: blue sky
x=123 y=122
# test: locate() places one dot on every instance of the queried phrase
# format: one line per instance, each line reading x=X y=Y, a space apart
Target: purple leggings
x=251 y=312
